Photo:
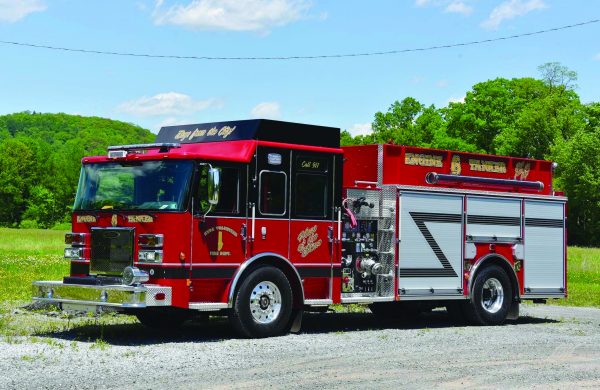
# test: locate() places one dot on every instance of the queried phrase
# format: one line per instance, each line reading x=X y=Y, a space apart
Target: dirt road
x=548 y=347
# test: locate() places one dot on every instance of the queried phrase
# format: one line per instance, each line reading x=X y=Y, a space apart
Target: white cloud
x=509 y=10
x=267 y=110
x=169 y=121
x=14 y=10
x=454 y=99
x=233 y=15
x=459 y=7
x=170 y=103
x=360 y=129
x=450 y=6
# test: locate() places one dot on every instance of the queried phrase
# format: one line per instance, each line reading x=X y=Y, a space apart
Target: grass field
x=28 y=255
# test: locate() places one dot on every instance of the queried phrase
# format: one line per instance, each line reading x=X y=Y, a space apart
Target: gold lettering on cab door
x=308 y=241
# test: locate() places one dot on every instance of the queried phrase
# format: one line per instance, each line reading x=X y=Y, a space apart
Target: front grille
x=112 y=250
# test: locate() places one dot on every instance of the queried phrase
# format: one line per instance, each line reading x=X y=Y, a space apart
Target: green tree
x=42 y=207
x=398 y=124
x=579 y=165
x=16 y=171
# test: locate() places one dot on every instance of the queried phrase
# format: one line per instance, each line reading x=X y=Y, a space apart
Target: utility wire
x=307 y=57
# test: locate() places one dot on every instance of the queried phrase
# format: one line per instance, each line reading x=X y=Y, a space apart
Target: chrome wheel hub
x=265 y=302
x=492 y=295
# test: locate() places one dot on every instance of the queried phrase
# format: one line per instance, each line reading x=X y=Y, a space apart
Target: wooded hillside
x=40 y=159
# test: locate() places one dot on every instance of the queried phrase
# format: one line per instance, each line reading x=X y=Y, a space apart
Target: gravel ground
x=548 y=347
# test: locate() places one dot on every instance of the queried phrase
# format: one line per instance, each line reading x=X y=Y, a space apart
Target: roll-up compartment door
x=544 y=263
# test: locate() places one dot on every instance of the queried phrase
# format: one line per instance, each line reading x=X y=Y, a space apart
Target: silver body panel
x=488 y=217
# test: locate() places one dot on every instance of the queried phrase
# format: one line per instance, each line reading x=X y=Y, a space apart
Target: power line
x=308 y=57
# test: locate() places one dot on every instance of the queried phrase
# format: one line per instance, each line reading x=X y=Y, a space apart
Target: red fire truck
x=261 y=220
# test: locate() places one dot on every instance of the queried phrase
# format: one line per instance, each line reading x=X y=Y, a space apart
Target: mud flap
x=296 y=321
x=513 y=311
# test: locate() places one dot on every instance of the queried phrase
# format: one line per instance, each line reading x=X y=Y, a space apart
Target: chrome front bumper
x=111 y=296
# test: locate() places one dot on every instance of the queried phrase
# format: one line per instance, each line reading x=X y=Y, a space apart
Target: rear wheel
x=263 y=304
x=491 y=297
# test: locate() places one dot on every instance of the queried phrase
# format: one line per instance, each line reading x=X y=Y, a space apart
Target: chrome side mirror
x=214 y=185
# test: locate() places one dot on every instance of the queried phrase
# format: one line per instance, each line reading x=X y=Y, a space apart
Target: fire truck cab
x=260 y=220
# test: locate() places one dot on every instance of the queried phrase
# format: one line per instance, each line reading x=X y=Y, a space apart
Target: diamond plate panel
x=370 y=196
x=151 y=293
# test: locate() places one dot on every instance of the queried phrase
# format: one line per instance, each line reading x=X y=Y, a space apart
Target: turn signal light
x=75 y=238
x=151 y=240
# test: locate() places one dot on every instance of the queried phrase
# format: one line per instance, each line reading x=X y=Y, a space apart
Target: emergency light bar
x=163 y=146
x=120 y=151
x=439 y=178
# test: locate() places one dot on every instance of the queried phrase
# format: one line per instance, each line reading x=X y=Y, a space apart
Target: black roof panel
x=258 y=129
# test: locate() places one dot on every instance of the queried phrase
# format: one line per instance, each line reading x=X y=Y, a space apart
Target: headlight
x=73 y=253
x=133 y=275
x=146 y=256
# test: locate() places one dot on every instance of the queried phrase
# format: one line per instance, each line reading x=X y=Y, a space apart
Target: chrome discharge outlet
x=369 y=266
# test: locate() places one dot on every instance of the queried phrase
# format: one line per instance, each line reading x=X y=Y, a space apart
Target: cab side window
x=273 y=192
x=229 y=195
x=311 y=195
x=311 y=187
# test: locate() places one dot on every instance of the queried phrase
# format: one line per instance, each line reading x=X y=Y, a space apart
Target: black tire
x=491 y=297
x=163 y=318
x=254 y=313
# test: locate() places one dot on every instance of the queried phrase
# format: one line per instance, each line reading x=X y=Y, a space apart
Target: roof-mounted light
x=115 y=154
x=121 y=151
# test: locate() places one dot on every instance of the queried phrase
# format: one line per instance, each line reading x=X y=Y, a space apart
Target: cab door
x=218 y=232
x=311 y=227
x=269 y=205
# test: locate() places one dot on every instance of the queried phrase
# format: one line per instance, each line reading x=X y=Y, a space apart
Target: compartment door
x=544 y=263
x=431 y=244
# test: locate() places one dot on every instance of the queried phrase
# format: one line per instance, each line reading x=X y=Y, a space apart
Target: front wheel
x=263 y=304
x=491 y=297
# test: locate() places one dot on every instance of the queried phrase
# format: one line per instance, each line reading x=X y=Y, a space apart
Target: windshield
x=148 y=185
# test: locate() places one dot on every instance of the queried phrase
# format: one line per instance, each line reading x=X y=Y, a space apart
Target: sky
x=340 y=92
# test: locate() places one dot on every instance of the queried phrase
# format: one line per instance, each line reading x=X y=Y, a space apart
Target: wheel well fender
x=502 y=262
x=273 y=260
